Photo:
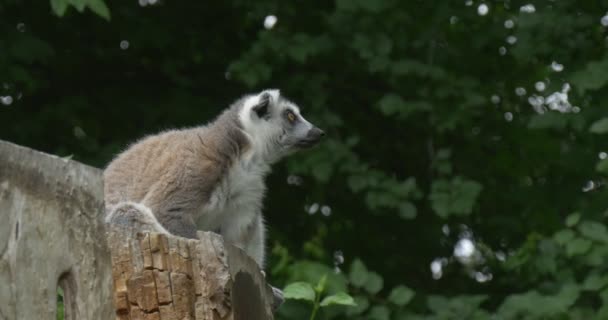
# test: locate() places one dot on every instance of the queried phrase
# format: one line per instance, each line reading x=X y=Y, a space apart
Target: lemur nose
x=315 y=133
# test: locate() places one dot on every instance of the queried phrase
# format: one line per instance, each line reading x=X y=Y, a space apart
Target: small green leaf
x=563 y=236
x=362 y=303
x=594 y=231
x=548 y=120
x=299 y=291
x=320 y=287
x=595 y=282
x=577 y=246
x=401 y=295
x=573 y=219
x=602 y=166
x=374 y=283
x=596 y=256
x=391 y=104
x=100 y=8
x=600 y=126
x=454 y=197
x=358 y=273
x=59 y=7
x=407 y=210
x=379 y=313
x=340 y=298
x=78 y=4
x=592 y=77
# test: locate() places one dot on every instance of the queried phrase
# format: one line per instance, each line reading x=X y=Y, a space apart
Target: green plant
x=305 y=291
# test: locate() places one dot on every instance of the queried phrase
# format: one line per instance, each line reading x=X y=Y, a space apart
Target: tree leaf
x=602 y=166
x=78 y=4
x=592 y=77
x=299 y=291
x=100 y=8
x=340 y=298
x=374 y=283
x=573 y=219
x=401 y=295
x=407 y=210
x=379 y=313
x=391 y=104
x=563 y=236
x=311 y=272
x=456 y=197
x=577 y=246
x=59 y=7
x=361 y=304
x=595 y=282
x=548 y=120
x=320 y=287
x=599 y=126
x=358 y=273
x=594 y=231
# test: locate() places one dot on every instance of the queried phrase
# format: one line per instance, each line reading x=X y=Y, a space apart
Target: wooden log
x=158 y=276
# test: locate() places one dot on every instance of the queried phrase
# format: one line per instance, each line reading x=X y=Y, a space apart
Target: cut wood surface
x=158 y=276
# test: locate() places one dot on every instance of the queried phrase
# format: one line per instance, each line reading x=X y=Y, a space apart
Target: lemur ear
x=261 y=109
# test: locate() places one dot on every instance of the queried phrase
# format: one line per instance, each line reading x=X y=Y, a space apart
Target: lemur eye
x=291 y=116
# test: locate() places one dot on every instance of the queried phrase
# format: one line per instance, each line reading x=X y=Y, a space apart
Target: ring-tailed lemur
x=210 y=177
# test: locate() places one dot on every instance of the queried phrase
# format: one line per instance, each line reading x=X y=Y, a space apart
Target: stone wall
x=51 y=235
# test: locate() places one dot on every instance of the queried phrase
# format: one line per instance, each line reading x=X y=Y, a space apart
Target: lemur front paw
x=278 y=298
x=277 y=295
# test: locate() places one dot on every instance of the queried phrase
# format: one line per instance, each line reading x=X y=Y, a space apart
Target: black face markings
x=261 y=109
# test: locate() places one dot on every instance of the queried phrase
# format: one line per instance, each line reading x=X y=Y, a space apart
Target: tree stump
x=163 y=277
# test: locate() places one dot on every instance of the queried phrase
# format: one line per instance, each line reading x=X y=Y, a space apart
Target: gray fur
x=174 y=173
x=209 y=177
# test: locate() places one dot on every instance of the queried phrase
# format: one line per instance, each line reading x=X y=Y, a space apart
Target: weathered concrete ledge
x=52 y=235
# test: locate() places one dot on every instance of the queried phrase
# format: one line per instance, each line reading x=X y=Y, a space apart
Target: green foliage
x=60 y=304
x=533 y=305
x=339 y=298
x=573 y=219
x=358 y=273
x=401 y=295
x=599 y=126
x=549 y=120
x=454 y=197
x=305 y=291
x=592 y=77
x=460 y=307
x=594 y=231
x=299 y=290
x=97 y=6
x=442 y=124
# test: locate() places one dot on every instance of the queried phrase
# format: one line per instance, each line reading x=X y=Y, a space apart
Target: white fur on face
x=263 y=134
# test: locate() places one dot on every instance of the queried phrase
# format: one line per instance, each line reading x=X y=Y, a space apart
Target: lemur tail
x=134 y=216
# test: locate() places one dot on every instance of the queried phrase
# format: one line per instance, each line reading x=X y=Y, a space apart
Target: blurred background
x=463 y=172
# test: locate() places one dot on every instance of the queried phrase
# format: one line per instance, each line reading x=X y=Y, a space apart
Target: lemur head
x=275 y=126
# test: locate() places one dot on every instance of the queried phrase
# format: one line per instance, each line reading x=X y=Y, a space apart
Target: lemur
x=209 y=177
